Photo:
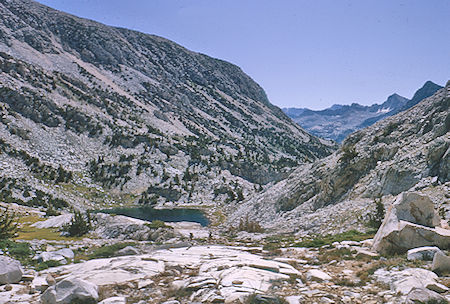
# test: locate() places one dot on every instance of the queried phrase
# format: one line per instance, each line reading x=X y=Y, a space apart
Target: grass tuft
x=108 y=251
x=156 y=224
x=351 y=235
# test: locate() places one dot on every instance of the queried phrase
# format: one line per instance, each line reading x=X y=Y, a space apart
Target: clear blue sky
x=303 y=53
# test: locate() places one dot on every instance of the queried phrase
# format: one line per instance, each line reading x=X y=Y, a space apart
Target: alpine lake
x=165 y=215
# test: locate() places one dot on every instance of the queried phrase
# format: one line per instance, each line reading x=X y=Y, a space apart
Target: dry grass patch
x=368 y=269
x=26 y=232
x=245 y=224
x=348 y=282
x=217 y=218
x=319 y=241
x=445 y=281
x=326 y=256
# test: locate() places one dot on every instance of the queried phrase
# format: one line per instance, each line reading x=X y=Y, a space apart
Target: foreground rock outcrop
x=337 y=273
x=120 y=227
x=61 y=255
x=220 y=271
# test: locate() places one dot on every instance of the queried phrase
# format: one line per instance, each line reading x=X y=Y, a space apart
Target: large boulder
x=317 y=275
x=423 y=253
x=121 y=227
x=409 y=223
x=423 y=295
x=70 y=290
x=129 y=250
x=441 y=263
x=115 y=300
x=403 y=236
x=403 y=281
x=59 y=255
x=10 y=270
x=126 y=228
x=416 y=208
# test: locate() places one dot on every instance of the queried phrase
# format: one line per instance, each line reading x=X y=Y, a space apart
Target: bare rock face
x=54 y=222
x=409 y=223
x=129 y=250
x=10 y=270
x=61 y=256
x=71 y=290
x=226 y=273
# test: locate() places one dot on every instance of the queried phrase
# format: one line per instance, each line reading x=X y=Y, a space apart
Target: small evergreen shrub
x=8 y=224
x=47 y=264
x=249 y=226
x=348 y=153
x=391 y=127
x=51 y=211
x=377 y=216
x=79 y=225
x=18 y=250
x=109 y=250
x=262 y=299
x=155 y=224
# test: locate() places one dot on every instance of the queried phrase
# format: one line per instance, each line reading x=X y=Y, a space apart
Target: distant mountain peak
x=394 y=101
x=395 y=95
x=338 y=121
x=430 y=83
x=428 y=89
x=336 y=106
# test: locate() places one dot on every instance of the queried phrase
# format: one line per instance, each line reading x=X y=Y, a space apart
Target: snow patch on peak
x=384 y=110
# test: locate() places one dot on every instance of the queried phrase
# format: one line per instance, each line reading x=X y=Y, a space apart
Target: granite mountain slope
x=338 y=121
x=408 y=151
x=92 y=113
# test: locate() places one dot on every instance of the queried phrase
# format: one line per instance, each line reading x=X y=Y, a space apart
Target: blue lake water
x=165 y=215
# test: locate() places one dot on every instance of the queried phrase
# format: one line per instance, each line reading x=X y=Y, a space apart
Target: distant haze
x=303 y=53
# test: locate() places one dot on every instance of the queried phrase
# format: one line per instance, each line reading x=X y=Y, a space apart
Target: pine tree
x=79 y=225
x=8 y=224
